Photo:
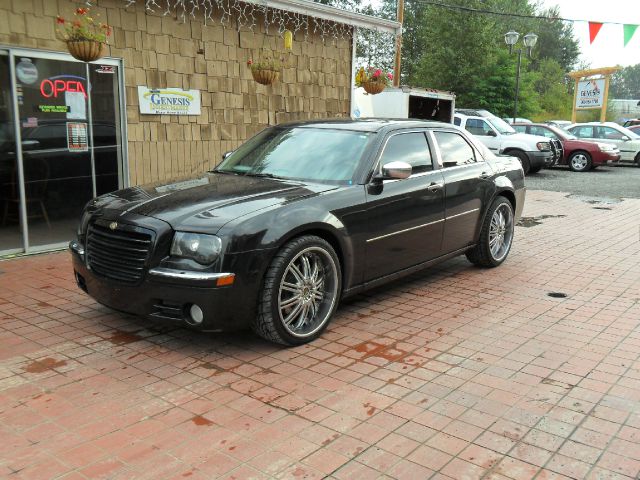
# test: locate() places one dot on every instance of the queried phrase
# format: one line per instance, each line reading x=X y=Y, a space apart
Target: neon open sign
x=54 y=86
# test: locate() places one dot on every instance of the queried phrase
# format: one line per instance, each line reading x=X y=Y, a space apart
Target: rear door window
x=454 y=149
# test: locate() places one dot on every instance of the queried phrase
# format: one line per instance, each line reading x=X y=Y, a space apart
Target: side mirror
x=625 y=138
x=396 y=171
x=491 y=133
x=226 y=154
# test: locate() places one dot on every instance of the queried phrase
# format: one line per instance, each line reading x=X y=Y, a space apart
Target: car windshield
x=503 y=127
x=302 y=153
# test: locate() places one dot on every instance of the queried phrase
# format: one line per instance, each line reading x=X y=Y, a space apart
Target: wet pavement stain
x=201 y=421
x=44 y=365
x=121 y=337
x=387 y=352
x=533 y=221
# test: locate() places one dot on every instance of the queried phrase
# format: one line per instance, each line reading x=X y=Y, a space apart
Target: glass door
x=53 y=98
x=11 y=238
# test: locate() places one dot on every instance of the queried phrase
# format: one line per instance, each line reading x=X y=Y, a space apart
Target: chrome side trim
x=404 y=231
x=463 y=213
x=186 y=275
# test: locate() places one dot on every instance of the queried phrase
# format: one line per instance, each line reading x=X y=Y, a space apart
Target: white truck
x=405 y=102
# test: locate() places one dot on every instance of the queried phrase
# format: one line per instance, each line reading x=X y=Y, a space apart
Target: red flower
x=249 y=62
x=60 y=20
x=377 y=73
x=390 y=76
x=77 y=23
x=81 y=11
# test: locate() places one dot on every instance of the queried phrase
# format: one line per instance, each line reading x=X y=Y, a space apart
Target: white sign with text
x=590 y=94
x=168 y=101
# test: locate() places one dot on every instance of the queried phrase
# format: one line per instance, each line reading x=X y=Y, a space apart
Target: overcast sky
x=607 y=50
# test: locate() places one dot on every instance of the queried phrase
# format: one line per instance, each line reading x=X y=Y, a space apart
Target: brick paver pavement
x=456 y=373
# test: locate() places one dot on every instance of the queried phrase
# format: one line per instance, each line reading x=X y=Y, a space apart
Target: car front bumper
x=540 y=159
x=168 y=295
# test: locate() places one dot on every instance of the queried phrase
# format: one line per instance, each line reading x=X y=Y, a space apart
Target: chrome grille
x=118 y=255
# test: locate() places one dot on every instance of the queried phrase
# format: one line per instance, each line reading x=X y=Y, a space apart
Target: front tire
x=300 y=293
x=524 y=160
x=580 y=162
x=496 y=235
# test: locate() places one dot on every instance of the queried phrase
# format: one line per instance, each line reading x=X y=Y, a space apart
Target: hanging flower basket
x=265 y=76
x=373 y=88
x=373 y=80
x=85 y=35
x=86 y=50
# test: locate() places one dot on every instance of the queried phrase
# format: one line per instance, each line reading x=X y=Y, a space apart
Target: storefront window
x=10 y=228
x=69 y=126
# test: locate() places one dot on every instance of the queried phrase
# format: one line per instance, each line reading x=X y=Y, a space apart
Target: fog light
x=196 y=313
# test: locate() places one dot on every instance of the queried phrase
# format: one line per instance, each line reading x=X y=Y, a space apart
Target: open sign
x=53 y=87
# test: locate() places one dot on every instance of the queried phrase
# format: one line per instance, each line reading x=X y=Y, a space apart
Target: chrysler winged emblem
x=113 y=225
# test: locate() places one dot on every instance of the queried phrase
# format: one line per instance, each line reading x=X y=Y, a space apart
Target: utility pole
x=396 y=69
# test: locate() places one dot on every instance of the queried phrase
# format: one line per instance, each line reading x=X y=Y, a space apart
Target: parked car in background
x=609 y=132
x=635 y=129
x=296 y=218
x=559 y=123
x=510 y=120
x=580 y=155
x=533 y=152
x=631 y=122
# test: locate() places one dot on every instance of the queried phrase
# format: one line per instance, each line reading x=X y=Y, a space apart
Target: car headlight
x=202 y=248
x=543 y=146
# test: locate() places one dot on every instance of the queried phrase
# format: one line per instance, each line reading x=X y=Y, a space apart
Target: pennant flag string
x=629 y=30
x=594 y=28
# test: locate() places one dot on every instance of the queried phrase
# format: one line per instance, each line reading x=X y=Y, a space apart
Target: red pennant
x=594 y=28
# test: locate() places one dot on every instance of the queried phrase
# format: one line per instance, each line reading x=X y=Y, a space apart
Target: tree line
x=457 y=49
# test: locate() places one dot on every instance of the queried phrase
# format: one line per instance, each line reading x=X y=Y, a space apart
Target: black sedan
x=296 y=218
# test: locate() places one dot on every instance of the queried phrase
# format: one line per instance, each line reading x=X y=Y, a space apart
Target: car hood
x=206 y=202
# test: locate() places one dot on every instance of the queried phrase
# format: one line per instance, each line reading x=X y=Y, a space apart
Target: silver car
x=608 y=132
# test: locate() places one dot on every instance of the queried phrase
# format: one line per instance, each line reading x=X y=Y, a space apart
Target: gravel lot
x=603 y=183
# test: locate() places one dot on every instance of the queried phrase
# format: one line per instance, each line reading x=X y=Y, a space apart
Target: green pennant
x=629 y=30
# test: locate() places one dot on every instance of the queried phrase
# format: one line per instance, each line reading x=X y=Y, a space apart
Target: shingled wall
x=161 y=51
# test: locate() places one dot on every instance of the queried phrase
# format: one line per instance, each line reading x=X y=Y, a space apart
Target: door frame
x=123 y=181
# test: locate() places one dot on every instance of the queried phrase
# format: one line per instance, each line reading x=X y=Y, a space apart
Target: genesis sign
x=168 y=101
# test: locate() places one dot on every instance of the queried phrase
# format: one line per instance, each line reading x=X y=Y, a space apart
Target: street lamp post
x=529 y=40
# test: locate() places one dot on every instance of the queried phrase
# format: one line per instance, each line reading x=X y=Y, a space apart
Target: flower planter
x=265 y=77
x=86 y=50
x=373 y=88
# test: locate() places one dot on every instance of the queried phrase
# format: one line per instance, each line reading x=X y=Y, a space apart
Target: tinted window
x=477 y=127
x=609 y=133
x=520 y=128
x=456 y=121
x=454 y=149
x=582 y=132
x=408 y=147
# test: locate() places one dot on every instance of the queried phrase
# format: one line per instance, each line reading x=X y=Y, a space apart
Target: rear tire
x=580 y=161
x=496 y=235
x=534 y=169
x=636 y=161
x=300 y=293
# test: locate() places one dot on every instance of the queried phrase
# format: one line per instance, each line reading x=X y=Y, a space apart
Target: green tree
x=625 y=83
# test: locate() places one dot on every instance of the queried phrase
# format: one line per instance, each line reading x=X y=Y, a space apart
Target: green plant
x=83 y=27
x=266 y=61
x=372 y=74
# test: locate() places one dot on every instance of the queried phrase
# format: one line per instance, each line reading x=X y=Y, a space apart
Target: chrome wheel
x=579 y=162
x=308 y=291
x=501 y=232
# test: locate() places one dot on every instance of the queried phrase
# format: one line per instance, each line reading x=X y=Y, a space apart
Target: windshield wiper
x=263 y=175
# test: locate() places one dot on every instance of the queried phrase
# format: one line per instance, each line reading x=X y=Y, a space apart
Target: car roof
x=365 y=124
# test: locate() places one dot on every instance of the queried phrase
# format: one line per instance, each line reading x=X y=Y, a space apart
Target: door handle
x=434 y=187
x=484 y=175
